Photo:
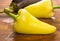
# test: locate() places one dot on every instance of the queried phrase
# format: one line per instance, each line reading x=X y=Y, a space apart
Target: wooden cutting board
x=7 y=33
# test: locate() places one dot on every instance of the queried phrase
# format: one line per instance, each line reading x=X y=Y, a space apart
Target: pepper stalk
x=8 y=12
x=56 y=7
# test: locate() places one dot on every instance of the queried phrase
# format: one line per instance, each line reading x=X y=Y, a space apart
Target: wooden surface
x=7 y=33
x=4 y=4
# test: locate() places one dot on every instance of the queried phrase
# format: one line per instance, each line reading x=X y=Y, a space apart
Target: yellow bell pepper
x=42 y=9
x=27 y=24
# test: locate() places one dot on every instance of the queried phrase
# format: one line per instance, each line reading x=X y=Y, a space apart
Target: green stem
x=7 y=11
x=56 y=7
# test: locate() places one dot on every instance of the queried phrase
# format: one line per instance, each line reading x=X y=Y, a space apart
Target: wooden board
x=7 y=33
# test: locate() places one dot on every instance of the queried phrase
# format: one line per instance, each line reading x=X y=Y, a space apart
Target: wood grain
x=7 y=33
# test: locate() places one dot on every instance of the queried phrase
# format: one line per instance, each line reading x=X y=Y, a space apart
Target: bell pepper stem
x=56 y=7
x=7 y=11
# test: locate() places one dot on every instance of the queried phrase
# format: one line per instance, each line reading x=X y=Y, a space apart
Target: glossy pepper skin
x=27 y=24
x=42 y=9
